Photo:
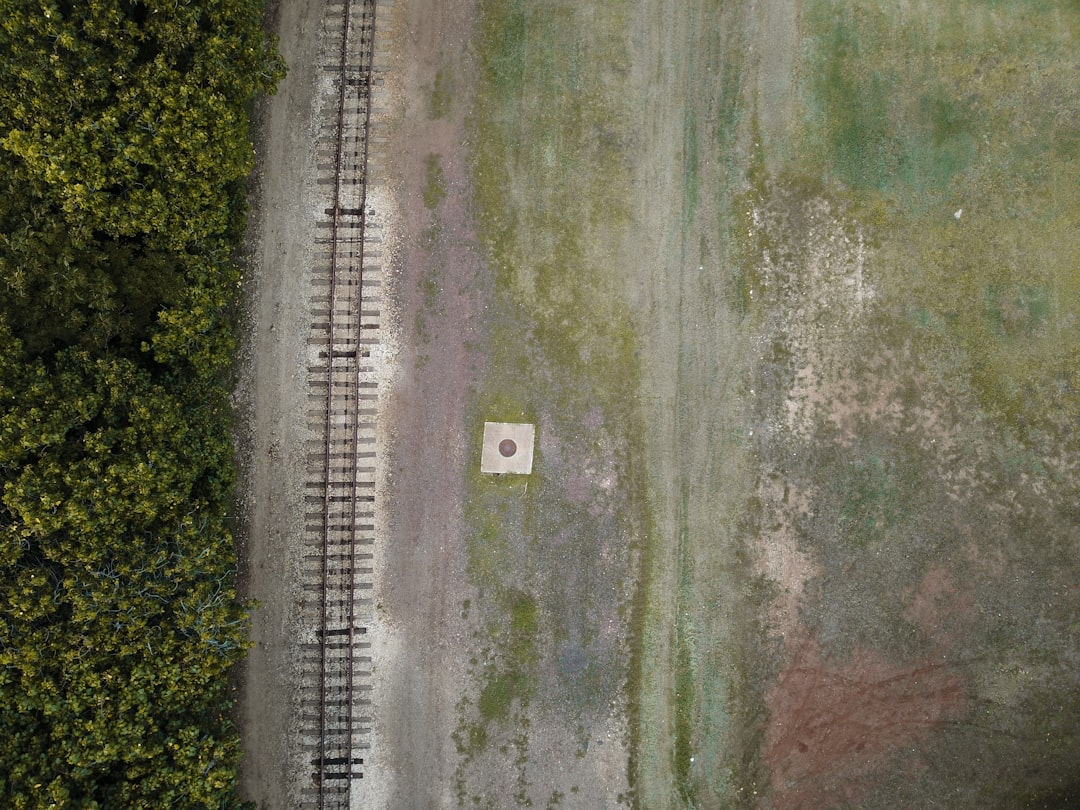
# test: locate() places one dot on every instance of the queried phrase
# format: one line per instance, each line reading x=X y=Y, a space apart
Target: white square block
x=508 y=448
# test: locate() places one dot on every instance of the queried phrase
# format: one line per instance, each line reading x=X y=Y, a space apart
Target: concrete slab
x=508 y=448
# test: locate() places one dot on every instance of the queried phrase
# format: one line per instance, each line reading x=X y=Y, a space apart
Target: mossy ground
x=551 y=554
x=932 y=421
x=891 y=284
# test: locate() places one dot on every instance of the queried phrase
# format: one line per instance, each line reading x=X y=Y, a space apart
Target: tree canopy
x=124 y=146
x=130 y=117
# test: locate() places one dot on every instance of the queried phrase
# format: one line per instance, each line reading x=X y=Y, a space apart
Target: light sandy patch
x=782 y=561
x=825 y=297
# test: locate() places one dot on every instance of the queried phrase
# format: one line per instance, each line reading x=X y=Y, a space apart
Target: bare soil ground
x=446 y=658
x=785 y=546
x=438 y=288
x=272 y=404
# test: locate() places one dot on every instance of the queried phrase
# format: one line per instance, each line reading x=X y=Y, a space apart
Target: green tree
x=119 y=615
x=130 y=116
x=123 y=149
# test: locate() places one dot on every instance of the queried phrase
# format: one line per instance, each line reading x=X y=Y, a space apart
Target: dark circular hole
x=507 y=448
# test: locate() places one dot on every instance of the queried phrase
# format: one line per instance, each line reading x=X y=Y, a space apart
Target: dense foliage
x=123 y=150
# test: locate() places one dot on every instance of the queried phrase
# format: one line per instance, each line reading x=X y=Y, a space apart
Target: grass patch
x=686 y=676
x=497 y=695
x=441 y=100
x=435 y=184
x=873 y=499
x=946 y=136
x=955 y=119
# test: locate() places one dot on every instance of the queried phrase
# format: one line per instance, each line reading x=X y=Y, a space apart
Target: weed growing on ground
x=930 y=435
x=441 y=100
x=550 y=553
x=435 y=185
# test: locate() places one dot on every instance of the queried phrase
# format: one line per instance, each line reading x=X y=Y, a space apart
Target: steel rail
x=367 y=51
x=351 y=451
x=328 y=450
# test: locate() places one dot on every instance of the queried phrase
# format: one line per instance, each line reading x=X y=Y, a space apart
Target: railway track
x=340 y=499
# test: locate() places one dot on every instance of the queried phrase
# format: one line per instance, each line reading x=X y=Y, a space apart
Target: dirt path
x=702 y=69
x=272 y=403
x=437 y=292
x=690 y=393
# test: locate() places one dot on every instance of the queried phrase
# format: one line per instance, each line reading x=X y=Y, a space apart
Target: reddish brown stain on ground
x=832 y=723
x=939 y=608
